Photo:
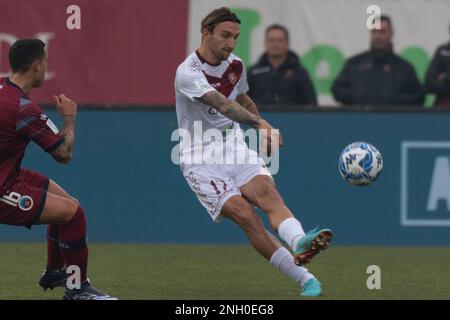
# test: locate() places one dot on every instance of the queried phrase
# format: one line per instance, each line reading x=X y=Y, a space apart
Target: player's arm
x=231 y=109
x=245 y=101
x=234 y=111
x=67 y=110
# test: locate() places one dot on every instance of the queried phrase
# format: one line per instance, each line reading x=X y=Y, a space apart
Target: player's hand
x=266 y=136
x=65 y=106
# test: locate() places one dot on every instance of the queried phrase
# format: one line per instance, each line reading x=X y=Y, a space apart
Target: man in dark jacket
x=438 y=76
x=378 y=76
x=278 y=77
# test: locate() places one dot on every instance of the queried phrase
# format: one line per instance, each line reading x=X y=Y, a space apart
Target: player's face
x=381 y=38
x=40 y=67
x=277 y=45
x=223 y=39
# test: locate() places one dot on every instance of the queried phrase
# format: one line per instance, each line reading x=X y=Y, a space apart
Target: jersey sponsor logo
x=212 y=111
x=52 y=126
x=25 y=203
x=43 y=117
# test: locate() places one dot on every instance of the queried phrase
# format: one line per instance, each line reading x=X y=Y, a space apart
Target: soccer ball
x=360 y=163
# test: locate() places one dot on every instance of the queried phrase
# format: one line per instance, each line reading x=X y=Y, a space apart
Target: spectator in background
x=278 y=77
x=438 y=76
x=378 y=76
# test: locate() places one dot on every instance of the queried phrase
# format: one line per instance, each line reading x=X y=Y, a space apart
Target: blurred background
x=120 y=68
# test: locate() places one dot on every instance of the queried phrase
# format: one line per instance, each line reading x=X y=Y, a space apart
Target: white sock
x=290 y=230
x=283 y=260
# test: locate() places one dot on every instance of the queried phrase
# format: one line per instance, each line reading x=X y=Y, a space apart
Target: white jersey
x=213 y=184
x=194 y=78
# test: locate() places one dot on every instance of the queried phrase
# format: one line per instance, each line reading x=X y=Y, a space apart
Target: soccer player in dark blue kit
x=28 y=198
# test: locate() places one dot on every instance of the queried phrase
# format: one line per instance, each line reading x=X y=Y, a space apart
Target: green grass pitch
x=164 y=271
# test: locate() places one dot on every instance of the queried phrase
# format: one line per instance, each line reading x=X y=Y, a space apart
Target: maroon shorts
x=23 y=203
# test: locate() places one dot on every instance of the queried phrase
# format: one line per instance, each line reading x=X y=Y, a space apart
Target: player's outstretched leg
x=242 y=213
x=261 y=191
x=72 y=242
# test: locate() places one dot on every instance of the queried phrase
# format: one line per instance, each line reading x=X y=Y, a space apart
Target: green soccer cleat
x=312 y=288
x=313 y=242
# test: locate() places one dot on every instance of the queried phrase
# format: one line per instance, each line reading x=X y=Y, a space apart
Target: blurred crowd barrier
x=126 y=52
x=123 y=176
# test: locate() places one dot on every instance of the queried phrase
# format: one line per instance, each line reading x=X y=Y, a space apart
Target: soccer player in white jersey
x=211 y=88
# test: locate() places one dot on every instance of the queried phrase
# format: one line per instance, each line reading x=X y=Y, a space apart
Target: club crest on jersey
x=25 y=203
x=232 y=77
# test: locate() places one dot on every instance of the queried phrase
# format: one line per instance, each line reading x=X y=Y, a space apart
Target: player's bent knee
x=67 y=215
x=78 y=218
x=58 y=210
x=75 y=200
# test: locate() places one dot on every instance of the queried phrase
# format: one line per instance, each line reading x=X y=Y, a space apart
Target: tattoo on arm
x=64 y=152
x=230 y=109
x=69 y=131
x=247 y=102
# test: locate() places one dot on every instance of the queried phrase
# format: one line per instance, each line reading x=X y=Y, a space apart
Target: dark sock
x=72 y=240
x=55 y=260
